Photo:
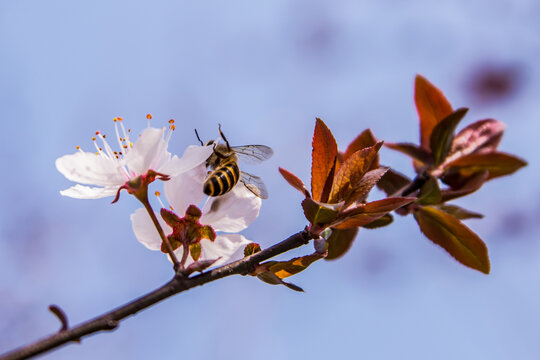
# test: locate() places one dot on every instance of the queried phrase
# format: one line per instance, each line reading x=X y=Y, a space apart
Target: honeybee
x=224 y=171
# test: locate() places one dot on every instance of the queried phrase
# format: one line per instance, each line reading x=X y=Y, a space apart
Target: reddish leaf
x=368 y=182
x=317 y=213
x=380 y=222
x=388 y=204
x=323 y=157
x=432 y=107
x=284 y=269
x=365 y=139
x=497 y=163
x=339 y=242
x=412 y=150
x=272 y=279
x=481 y=136
x=430 y=193
x=459 y=212
x=392 y=182
x=469 y=186
x=351 y=172
x=294 y=181
x=365 y=214
x=443 y=135
x=252 y=248
x=453 y=236
x=329 y=181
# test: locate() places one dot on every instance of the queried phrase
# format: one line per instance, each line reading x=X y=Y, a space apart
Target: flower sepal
x=138 y=186
x=187 y=231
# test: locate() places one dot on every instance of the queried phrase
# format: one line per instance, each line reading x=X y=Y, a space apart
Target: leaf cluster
x=448 y=165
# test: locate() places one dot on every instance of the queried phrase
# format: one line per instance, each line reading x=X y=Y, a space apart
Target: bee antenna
x=224 y=138
x=198 y=138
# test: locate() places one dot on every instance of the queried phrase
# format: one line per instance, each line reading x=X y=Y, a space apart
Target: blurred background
x=265 y=70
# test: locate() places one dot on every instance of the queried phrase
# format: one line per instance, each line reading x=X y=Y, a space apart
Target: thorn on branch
x=61 y=315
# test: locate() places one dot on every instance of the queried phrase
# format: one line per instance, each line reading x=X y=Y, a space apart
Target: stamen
x=118 y=137
x=158 y=196
x=108 y=151
x=99 y=152
x=124 y=132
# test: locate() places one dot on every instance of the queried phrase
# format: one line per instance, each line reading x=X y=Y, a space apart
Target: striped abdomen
x=222 y=180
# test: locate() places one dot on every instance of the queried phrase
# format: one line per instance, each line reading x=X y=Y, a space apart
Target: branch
x=178 y=284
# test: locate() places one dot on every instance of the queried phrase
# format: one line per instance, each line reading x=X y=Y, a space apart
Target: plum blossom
x=227 y=215
x=107 y=170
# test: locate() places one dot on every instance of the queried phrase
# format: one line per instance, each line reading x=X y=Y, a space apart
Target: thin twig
x=178 y=284
x=61 y=315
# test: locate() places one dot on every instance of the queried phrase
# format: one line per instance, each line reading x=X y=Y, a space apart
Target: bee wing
x=254 y=184
x=253 y=154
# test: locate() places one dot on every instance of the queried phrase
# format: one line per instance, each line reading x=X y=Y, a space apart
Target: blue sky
x=264 y=71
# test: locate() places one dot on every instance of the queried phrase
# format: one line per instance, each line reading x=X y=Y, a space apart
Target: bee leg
x=218 y=154
x=224 y=138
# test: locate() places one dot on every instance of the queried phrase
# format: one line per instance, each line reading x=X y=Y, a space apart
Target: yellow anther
x=171 y=121
x=149 y=116
x=93 y=138
x=158 y=193
x=77 y=147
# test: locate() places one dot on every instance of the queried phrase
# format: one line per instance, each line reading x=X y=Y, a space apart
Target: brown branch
x=178 y=284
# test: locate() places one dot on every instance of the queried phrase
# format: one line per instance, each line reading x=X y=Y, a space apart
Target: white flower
x=230 y=213
x=108 y=170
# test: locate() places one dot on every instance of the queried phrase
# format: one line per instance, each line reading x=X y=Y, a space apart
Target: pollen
x=149 y=116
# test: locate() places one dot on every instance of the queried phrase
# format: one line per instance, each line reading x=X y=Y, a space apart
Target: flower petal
x=86 y=192
x=186 y=189
x=193 y=156
x=230 y=247
x=89 y=168
x=148 y=152
x=233 y=211
x=145 y=231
